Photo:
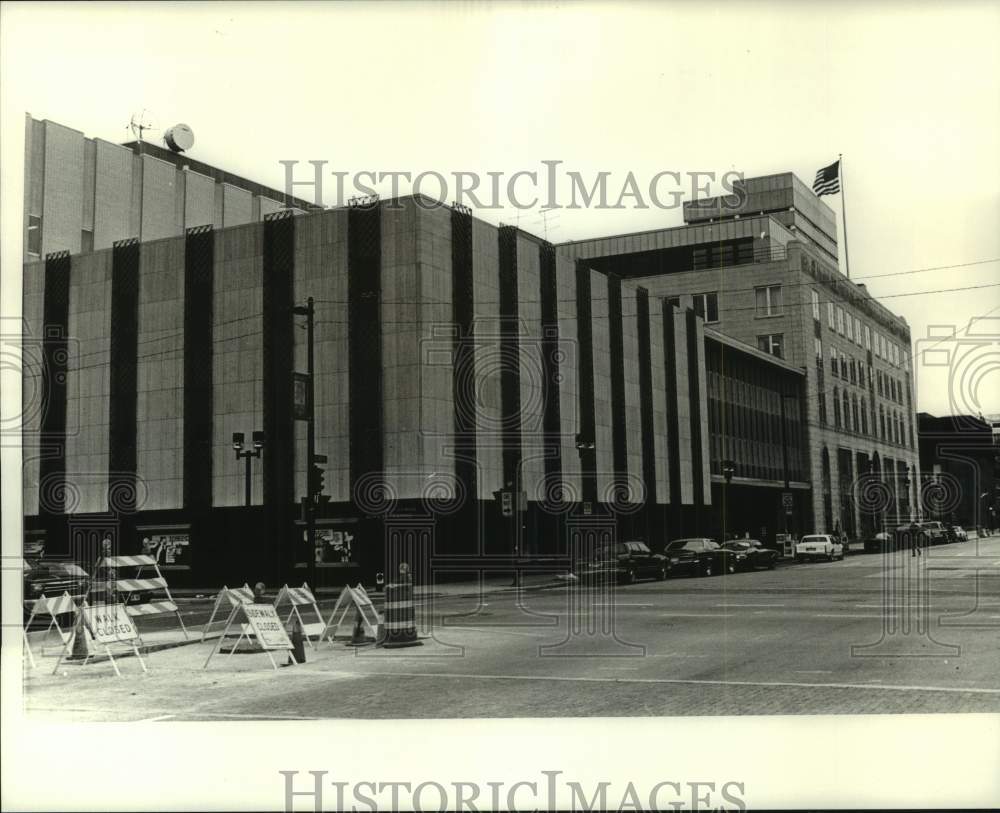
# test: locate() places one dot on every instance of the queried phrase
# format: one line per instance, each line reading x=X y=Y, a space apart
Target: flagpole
x=843 y=212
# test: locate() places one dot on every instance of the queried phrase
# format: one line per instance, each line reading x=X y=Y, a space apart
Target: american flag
x=827 y=180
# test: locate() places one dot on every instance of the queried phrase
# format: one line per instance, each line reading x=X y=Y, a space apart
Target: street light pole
x=728 y=470
x=311 y=447
x=312 y=486
x=248 y=454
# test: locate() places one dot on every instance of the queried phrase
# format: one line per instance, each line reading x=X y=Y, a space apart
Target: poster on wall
x=334 y=546
x=170 y=545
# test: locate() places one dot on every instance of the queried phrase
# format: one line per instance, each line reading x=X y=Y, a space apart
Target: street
x=823 y=638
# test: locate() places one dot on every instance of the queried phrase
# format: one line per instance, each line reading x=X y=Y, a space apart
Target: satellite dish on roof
x=179 y=138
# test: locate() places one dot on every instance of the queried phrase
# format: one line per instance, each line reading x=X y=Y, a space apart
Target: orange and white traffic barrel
x=400 y=628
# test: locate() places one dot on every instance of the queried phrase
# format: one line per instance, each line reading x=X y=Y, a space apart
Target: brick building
x=761 y=266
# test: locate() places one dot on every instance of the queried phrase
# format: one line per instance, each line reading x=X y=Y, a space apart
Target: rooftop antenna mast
x=139 y=127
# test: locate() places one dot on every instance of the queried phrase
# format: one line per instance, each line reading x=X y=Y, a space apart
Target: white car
x=960 y=533
x=819 y=546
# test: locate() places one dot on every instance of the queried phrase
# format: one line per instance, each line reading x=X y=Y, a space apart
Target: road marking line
x=495 y=629
x=694 y=682
x=618 y=604
x=157 y=719
x=749 y=605
x=813 y=671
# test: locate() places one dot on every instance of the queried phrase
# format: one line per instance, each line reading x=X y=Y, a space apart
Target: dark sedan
x=52 y=579
x=626 y=562
x=754 y=554
x=700 y=556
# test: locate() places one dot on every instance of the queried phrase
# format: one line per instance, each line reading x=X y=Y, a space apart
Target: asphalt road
x=872 y=634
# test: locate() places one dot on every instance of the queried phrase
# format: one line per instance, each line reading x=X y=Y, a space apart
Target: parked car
x=960 y=533
x=879 y=542
x=700 y=556
x=626 y=562
x=819 y=546
x=52 y=579
x=932 y=532
x=751 y=554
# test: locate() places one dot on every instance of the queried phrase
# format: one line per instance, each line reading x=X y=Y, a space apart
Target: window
x=857 y=331
x=868 y=338
x=836 y=408
x=707 y=306
x=829 y=315
x=772 y=343
x=864 y=417
x=86 y=241
x=34 y=235
x=878 y=345
x=768 y=300
x=822 y=398
x=846 y=410
x=818 y=347
x=854 y=413
x=840 y=321
x=815 y=302
x=674 y=301
x=850 y=328
x=854 y=372
x=843 y=366
x=895 y=354
x=834 y=369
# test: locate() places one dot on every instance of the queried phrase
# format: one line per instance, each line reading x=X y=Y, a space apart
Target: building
x=960 y=461
x=452 y=358
x=760 y=266
x=84 y=194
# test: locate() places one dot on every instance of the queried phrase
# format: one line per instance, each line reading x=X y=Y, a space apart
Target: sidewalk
x=459 y=589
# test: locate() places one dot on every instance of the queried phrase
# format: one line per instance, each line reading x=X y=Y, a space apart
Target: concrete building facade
x=84 y=194
x=453 y=358
x=761 y=266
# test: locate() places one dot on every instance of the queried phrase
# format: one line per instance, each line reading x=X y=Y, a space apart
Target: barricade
x=106 y=624
x=357 y=598
x=124 y=588
x=52 y=607
x=261 y=627
x=235 y=596
x=301 y=597
x=400 y=618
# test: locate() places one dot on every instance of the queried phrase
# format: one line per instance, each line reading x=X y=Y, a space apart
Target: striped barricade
x=52 y=607
x=357 y=598
x=400 y=617
x=301 y=597
x=234 y=597
x=138 y=583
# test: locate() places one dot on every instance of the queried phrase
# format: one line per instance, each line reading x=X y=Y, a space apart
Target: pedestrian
x=915 y=540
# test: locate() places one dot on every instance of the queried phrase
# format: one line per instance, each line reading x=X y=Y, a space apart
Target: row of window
x=851 y=328
x=854 y=370
x=706 y=304
x=852 y=413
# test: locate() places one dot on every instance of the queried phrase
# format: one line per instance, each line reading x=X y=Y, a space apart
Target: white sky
x=909 y=93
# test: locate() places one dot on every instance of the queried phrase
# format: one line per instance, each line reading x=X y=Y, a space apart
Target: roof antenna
x=139 y=127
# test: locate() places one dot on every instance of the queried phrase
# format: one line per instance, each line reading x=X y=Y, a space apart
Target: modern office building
x=452 y=358
x=84 y=194
x=761 y=266
x=960 y=461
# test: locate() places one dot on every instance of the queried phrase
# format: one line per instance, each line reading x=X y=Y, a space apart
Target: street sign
x=300 y=396
x=264 y=621
x=109 y=623
x=507 y=503
x=788 y=501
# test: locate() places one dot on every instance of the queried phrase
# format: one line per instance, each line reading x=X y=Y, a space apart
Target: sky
x=909 y=93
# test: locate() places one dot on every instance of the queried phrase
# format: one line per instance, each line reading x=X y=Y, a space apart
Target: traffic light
x=316 y=481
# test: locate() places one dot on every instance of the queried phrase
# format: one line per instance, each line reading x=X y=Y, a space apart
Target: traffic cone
x=298 y=654
x=80 y=650
x=358 y=637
